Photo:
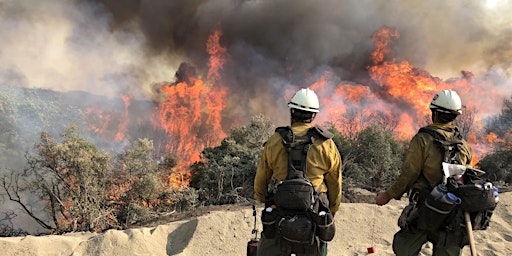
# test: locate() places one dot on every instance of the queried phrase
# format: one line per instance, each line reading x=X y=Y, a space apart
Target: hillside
x=225 y=232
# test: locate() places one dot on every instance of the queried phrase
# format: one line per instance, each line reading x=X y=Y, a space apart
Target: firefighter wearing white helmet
x=323 y=169
x=303 y=106
x=446 y=105
x=420 y=172
x=305 y=99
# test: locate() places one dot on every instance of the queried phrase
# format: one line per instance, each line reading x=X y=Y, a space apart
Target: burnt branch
x=12 y=190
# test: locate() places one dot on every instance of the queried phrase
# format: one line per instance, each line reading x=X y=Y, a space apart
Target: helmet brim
x=309 y=109
x=445 y=110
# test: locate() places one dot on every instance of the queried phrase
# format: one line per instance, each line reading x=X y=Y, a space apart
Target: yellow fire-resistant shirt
x=323 y=166
x=423 y=156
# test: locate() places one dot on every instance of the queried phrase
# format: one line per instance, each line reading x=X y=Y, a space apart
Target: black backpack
x=476 y=193
x=295 y=192
x=450 y=148
x=295 y=196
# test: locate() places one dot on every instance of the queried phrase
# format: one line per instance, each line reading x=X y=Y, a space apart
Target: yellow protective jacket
x=424 y=157
x=323 y=167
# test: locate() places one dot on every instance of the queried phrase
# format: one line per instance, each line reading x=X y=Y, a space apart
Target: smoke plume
x=109 y=47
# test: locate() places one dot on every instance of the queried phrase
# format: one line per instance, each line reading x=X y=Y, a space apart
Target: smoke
x=133 y=47
x=109 y=47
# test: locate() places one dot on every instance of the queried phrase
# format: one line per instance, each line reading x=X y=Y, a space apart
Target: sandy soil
x=226 y=232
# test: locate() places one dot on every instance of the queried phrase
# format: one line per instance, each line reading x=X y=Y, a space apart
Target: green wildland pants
x=272 y=247
x=409 y=242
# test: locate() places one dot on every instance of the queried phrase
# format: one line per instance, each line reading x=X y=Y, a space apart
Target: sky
x=132 y=47
x=239 y=58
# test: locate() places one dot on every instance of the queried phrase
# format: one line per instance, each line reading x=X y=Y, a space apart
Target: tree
x=503 y=122
x=136 y=184
x=79 y=189
x=498 y=166
x=9 y=140
x=356 y=120
x=345 y=146
x=141 y=185
x=465 y=121
x=377 y=158
x=71 y=178
x=226 y=174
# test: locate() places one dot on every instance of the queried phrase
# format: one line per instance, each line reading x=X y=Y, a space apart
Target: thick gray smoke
x=130 y=47
x=110 y=47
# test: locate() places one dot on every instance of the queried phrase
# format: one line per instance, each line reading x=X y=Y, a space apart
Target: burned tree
x=70 y=179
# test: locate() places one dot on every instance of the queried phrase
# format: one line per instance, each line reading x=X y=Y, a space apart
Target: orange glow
x=402 y=82
x=188 y=111
x=217 y=54
x=507 y=140
x=191 y=113
x=354 y=93
x=320 y=84
x=123 y=124
x=492 y=139
x=400 y=91
x=382 y=38
x=101 y=120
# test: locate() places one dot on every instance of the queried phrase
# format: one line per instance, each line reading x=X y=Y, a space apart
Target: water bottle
x=322 y=218
x=496 y=195
x=268 y=219
x=325 y=226
x=439 y=191
x=450 y=198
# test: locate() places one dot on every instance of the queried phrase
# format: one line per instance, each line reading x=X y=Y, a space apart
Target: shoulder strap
x=297 y=148
x=320 y=132
x=286 y=133
x=451 y=147
x=432 y=132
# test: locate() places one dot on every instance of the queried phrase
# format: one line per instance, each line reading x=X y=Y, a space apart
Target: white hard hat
x=447 y=101
x=305 y=99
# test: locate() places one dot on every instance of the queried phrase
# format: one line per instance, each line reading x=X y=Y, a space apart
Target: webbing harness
x=297 y=148
x=451 y=147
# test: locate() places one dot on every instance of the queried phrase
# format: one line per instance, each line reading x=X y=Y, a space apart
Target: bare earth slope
x=225 y=233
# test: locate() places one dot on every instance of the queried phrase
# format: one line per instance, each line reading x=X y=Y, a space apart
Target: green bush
x=82 y=189
x=226 y=174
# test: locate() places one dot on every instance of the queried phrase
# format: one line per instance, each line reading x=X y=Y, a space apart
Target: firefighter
x=323 y=167
x=422 y=171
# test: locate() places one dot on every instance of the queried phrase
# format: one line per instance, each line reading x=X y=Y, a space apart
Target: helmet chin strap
x=434 y=116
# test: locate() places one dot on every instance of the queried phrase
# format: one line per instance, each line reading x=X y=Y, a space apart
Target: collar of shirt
x=300 y=129
x=444 y=127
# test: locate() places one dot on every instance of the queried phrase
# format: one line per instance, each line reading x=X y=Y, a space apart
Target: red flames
x=124 y=121
x=191 y=113
x=401 y=92
x=416 y=87
x=411 y=89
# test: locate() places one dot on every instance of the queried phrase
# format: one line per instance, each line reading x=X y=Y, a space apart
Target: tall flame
x=123 y=125
x=191 y=111
x=392 y=91
x=402 y=91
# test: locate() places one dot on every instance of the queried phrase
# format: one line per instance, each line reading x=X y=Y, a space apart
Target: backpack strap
x=320 y=132
x=446 y=146
x=450 y=147
x=297 y=148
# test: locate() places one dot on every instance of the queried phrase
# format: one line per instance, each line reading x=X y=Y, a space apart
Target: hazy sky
x=110 y=47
